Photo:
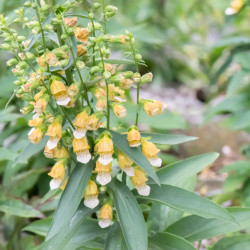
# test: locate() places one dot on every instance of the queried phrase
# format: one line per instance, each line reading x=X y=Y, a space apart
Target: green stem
x=93 y=58
x=138 y=86
x=107 y=90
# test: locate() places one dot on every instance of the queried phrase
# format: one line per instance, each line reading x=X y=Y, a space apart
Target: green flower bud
x=20 y=38
x=18 y=83
x=36 y=30
x=27 y=4
x=147 y=78
x=12 y=61
x=5 y=46
x=21 y=65
x=128 y=74
x=138 y=57
x=80 y=65
x=65 y=47
x=30 y=56
x=64 y=37
x=45 y=7
x=18 y=72
x=91 y=15
x=48 y=27
x=95 y=69
x=96 y=6
x=106 y=74
x=63 y=63
x=110 y=8
x=34 y=5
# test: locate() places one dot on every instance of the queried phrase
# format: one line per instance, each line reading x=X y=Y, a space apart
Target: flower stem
x=93 y=58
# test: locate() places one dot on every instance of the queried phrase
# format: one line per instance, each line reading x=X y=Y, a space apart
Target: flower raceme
x=72 y=90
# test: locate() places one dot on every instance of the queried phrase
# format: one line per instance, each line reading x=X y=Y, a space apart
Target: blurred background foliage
x=184 y=43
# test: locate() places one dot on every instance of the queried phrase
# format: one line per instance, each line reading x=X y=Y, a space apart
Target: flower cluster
x=70 y=88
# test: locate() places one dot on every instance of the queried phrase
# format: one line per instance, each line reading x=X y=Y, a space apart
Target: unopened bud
x=106 y=74
x=48 y=27
x=11 y=62
x=138 y=57
x=27 y=109
x=147 y=78
x=80 y=65
x=5 y=46
x=64 y=37
x=95 y=69
x=20 y=38
x=27 y=4
x=30 y=56
x=96 y=6
x=91 y=15
x=137 y=77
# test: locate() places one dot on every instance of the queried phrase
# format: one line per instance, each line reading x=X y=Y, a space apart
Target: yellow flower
x=51 y=59
x=70 y=22
x=119 y=111
x=35 y=135
x=103 y=173
x=116 y=94
x=139 y=182
x=126 y=164
x=153 y=108
x=105 y=216
x=151 y=151
x=126 y=83
x=134 y=137
x=81 y=148
x=73 y=89
x=41 y=61
x=64 y=184
x=55 y=133
x=61 y=153
x=91 y=195
x=236 y=5
x=105 y=149
x=80 y=50
x=50 y=153
x=81 y=34
x=101 y=104
x=99 y=93
x=59 y=91
x=36 y=122
x=41 y=104
x=79 y=123
x=57 y=173
x=92 y=122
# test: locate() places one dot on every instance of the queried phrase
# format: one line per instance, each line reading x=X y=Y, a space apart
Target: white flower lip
x=30 y=132
x=105 y=159
x=104 y=223
x=79 y=133
x=55 y=183
x=143 y=190
x=134 y=145
x=156 y=161
x=103 y=178
x=52 y=142
x=63 y=100
x=129 y=170
x=91 y=201
x=83 y=156
x=229 y=11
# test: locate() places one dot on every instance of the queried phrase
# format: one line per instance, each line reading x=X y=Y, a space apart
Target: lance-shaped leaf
x=177 y=172
x=168 y=138
x=130 y=217
x=71 y=197
x=133 y=153
x=40 y=227
x=241 y=242
x=194 y=227
x=187 y=201
x=169 y=241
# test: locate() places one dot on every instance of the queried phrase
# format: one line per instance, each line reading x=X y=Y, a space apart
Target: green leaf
x=40 y=227
x=194 y=228
x=30 y=150
x=13 y=206
x=176 y=173
x=233 y=40
x=133 y=153
x=115 y=239
x=187 y=201
x=167 y=241
x=88 y=231
x=67 y=231
x=239 y=120
x=237 y=242
x=168 y=138
x=236 y=82
x=6 y=115
x=6 y=154
x=130 y=217
x=71 y=197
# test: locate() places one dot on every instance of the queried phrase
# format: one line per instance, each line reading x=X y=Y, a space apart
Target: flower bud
x=70 y=22
x=96 y=6
x=5 y=46
x=48 y=27
x=147 y=78
x=93 y=121
x=95 y=69
x=134 y=137
x=80 y=65
x=138 y=57
x=35 y=135
x=91 y=15
x=106 y=74
x=26 y=110
x=119 y=110
x=137 y=77
x=101 y=104
x=12 y=62
x=27 y=4
x=20 y=38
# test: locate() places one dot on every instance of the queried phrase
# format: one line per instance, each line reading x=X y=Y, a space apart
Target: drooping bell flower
x=80 y=124
x=101 y=104
x=54 y=132
x=119 y=110
x=57 y=173
x=81 y=148
x=81 y=34
x=92 y=123
x=35 y=135
x=70 y=21
x=126 y=164
x=36 y=122
x=41 y=104
x=134 y=137
x=139 y=182
x=59 y=91
x=152 y=107
x=151 y=151
x=103 y=173
x=51 y=59
x=105 y=216
x=91 y=195
x=105 y=149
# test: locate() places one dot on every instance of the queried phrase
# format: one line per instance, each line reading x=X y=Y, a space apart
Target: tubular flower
x=50 y=153
x=139 y=182
x=92 y=122
x=81 y=35
x=101 y=104
x=151 y=151
x=51 y=59
x=57 y=173
x=153 y=108
x=116 y=94
x=55 y=133
x=35 y=135
x=105 y=216
x=80 y=124
x=41 y=104
x=126 y=83
x=134 y=137
x=61 y=153
x=70 y=22
x=36 y=122
x=59 y=91
x=105 y=149
x=91 y=195
x=80 y=50
x=41 y=61
x=236 y=5
x=126 y=164
x=103 y=173
x=119 y=111
x=81 y=148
